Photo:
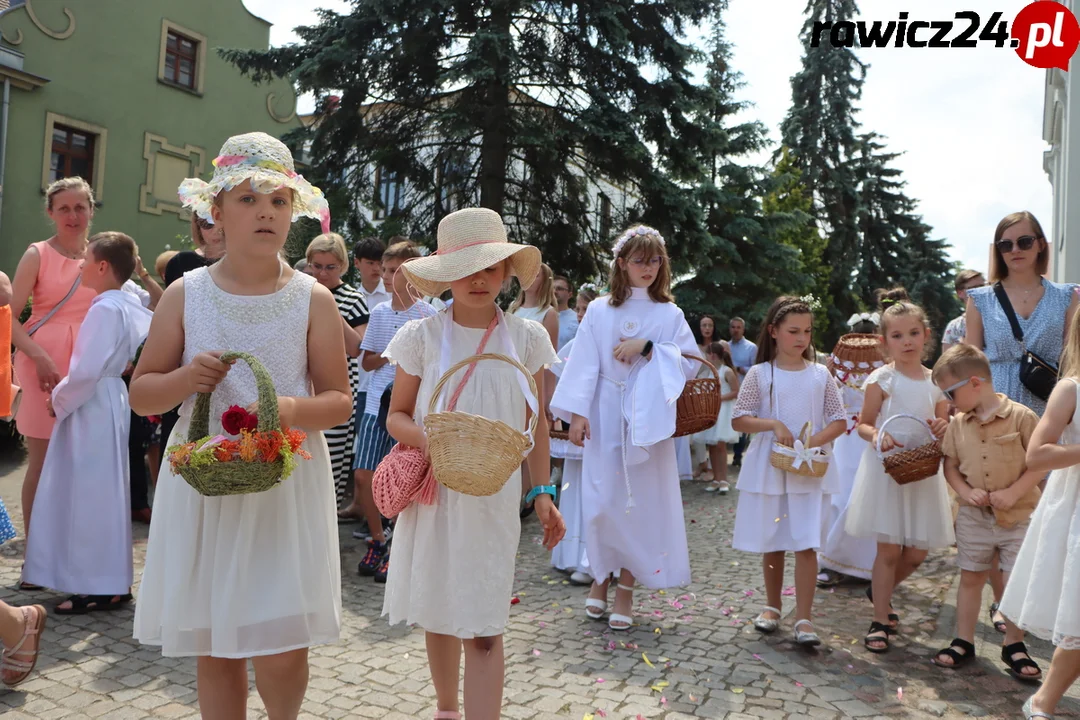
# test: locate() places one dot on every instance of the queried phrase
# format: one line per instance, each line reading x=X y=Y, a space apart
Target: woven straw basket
x=470 y=454
x=699 y=405
x=236 y=477
x=862 y=351
x=912 y=465
x=780 y=460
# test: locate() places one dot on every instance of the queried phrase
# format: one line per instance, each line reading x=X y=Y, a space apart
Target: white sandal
x=806 y=639
x=1030 y=711
x=595 y=608
x=767 y=625
x=625 y=621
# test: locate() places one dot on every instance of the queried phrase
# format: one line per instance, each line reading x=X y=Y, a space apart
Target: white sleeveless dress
x=244 y=575
x=1045 y=582
x=918 y=514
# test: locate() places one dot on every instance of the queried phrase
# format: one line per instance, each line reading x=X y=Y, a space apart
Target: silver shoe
x=806 y=639
x=767 y=625
x=1030 y=712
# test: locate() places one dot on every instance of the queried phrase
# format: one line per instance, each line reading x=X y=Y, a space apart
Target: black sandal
x=1016 y=666
x=893 y=617
x=958 y=660
x=876 y=627
x=999 y=625
x=83 y=604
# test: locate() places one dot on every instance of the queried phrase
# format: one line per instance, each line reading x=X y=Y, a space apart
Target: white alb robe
x=81 y=523
x=647 y=535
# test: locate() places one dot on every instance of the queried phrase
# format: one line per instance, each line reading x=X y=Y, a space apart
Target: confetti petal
x=647 y=661
x=900 y=693
x=737 y=691
x=536 y=653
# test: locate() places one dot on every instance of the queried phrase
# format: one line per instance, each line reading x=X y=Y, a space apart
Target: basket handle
x=475 y=359
x=881 y=430
x=704 y=362
x=268 y=402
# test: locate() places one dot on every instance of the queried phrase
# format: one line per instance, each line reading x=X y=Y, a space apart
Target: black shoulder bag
x=1036 y=374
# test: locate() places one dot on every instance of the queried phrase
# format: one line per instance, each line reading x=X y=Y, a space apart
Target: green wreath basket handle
x=268 y=401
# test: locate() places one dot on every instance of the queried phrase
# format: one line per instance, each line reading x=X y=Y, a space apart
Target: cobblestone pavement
x=693 y=653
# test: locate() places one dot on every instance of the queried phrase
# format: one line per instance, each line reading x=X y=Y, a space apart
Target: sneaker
x=580 y=578
x=384 y=568
x=376 y=555
x=365 y=534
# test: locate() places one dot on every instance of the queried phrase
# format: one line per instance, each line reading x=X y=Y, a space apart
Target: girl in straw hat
x=620 y=388
x=256 y=575
x=452 y=563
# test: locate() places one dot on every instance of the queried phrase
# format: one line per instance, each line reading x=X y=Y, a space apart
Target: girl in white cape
x=620 y=387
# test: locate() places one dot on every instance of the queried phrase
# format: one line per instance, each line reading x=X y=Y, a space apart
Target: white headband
x=860 y=317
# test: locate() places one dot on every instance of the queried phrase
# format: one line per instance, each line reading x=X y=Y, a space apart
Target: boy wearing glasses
x=984 y=450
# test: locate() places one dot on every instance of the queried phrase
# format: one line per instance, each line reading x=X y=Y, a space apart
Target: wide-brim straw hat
x=268 y=164
x=470 y=240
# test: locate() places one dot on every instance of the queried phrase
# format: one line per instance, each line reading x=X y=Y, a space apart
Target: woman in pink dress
x=47 y=273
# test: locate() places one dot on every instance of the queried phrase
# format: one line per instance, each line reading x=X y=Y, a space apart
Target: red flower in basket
x=237 y=418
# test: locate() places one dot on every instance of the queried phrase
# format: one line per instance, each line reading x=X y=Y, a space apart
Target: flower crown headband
x=639 y=231
x=589 y=287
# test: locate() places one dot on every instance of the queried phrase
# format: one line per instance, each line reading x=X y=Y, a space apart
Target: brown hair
x=163 y=261
x=198 y=223
x=960 y=362
x=782 y=307
x=999 y=269
x=546 y=293
x=721 y=351
x=588 y=293
x=647 y=242
x=563 y=278
x=905 y=308
x=329 y=243
x=65 y=184
x=884 y=297
x=964 y=277
x=403 y=250
x=118 y=250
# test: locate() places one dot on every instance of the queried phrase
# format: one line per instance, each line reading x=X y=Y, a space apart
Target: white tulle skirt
x=918 y=514
x=243 y=575
x=570 y=553
x=842 y=552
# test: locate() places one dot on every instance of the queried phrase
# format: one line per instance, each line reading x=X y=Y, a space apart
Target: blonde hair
x=962 y=361
x=649 y=244
x=999 y=269
x=905 y=308
x=1070 y=356
x=162 y=261
x=545 y=294
x=65 y=184
x=329 y=243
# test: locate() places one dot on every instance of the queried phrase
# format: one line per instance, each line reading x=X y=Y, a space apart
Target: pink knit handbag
x=404 y=476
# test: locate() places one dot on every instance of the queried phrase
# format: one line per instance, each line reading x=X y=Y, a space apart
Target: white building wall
x=1061 y=130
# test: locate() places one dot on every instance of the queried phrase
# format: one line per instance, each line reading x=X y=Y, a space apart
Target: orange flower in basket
x=249 y=446
x=270 y=445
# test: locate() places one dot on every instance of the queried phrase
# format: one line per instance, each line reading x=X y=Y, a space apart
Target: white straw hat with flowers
x=470 y=240
x=268 y=164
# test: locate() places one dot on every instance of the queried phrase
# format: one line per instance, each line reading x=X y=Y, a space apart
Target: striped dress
x=340 y=439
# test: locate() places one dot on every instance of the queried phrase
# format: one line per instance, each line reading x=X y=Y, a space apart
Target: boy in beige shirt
x=984 y=450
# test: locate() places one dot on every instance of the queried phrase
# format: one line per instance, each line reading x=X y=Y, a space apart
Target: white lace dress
x=780 y=511
x=244 y=575
x=452 y=563
x=917 y=514
x=1042 y=593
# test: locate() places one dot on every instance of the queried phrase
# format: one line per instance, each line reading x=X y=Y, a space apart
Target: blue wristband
x=540 y=490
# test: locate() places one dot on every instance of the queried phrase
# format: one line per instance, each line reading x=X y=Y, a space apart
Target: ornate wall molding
x=63 y=34
x=152 y=200
x=278 y=118
x=17 y=40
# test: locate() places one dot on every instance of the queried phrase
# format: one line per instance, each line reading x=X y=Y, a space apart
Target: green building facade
x=130 y=94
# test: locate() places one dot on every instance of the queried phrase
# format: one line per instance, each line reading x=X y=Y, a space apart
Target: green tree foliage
x=512 y=105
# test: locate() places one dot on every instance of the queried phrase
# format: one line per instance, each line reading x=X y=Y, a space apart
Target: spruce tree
x=511 y=105
x=747 y=264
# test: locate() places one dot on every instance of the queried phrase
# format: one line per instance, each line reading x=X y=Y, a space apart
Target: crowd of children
x=255 y=575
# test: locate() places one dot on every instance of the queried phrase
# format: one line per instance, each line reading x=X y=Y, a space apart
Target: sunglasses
x=949 y=391
x=1024 y=242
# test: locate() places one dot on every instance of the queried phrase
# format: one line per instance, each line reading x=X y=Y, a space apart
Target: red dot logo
x=1045 y=34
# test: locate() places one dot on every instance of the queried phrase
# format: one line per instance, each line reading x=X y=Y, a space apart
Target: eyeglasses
x=948 y=392
x=1024 y=242
x=654 y=261
x=316 y=267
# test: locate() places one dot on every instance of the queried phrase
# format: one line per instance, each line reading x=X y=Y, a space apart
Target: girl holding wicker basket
x=908 y=516
x=242 y=560
x=793 y=407
x=452 y=562
x=619 y=390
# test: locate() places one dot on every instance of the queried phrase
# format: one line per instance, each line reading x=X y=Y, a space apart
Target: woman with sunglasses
x=1043 y=308
x=209 y=244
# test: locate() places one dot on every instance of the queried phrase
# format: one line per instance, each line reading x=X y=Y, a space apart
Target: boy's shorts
x=978 y=535
x=373 y=443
